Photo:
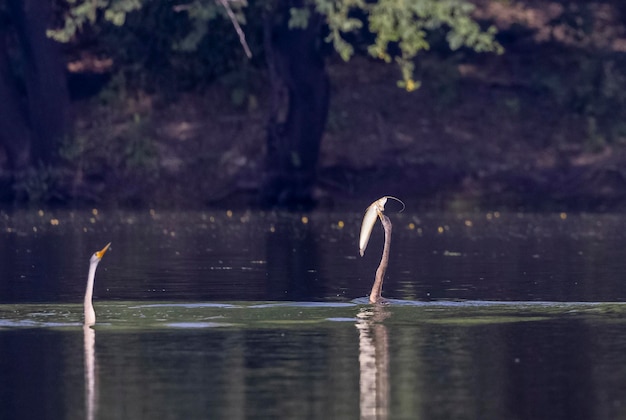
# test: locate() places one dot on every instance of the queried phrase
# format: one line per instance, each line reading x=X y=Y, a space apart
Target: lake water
x=262 y=315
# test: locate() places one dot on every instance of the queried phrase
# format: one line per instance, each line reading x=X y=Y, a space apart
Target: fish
x=375 y=209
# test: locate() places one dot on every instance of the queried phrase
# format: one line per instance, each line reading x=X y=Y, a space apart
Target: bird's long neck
x=90 y=314
x=377 y=288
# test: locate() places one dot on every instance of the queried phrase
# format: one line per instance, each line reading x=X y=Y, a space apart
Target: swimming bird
x=375 y=209
x=90 y=314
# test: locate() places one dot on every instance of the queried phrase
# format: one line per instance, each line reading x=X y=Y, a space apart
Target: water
x=250 y=315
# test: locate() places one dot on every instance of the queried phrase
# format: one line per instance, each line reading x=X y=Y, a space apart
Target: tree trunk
x=47 y=97
x=14 y=131
x=300 y=97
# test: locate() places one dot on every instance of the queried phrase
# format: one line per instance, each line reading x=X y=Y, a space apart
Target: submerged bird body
x=90 y=313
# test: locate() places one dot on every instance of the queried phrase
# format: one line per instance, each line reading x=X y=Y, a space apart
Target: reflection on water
x=374 y=363
x=91 y=380
x=262 y=360
x=292 y=261
x=222 y=256
x=243 y=316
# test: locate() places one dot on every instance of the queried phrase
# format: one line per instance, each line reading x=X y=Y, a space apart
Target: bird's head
x=97 y=256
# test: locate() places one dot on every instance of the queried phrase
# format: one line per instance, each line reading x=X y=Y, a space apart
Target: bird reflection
x=374 y=363
x=91 y=382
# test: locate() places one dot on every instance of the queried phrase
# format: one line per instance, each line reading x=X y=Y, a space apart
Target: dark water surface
x=250 y=315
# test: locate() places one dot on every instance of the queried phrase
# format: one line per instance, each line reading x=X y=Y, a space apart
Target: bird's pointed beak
x=100 y=253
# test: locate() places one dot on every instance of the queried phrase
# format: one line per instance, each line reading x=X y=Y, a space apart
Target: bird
x=376 y=209
x=90 y=313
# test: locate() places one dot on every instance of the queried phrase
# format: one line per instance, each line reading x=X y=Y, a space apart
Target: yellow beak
x=100 y=253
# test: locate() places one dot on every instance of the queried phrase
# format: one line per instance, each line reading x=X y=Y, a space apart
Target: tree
x=300 y=99
x=32 y=122
x=294 y=32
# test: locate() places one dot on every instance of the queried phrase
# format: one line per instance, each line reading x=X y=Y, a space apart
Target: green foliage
x=299 y=18
x=166 y=62
x=405 y=26
x=242 y=85
x=200 y=13
x=442 y=73
x=595 y=139
x=138 y=155
x=340 y=21
x=82 y=12
x=39 y=185
x=122 y=157
x=400 y=27
x=131 y=150
x=592 y=88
